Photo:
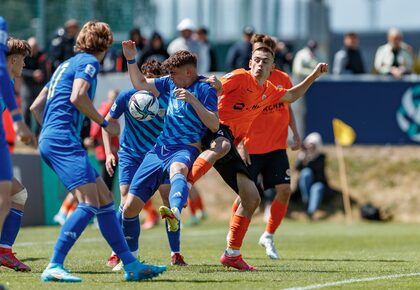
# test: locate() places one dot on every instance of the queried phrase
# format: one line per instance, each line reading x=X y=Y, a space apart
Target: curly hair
x=94 y=37
x=152 y=68
x=263 y=42
x=179 y=59
x=18 y=46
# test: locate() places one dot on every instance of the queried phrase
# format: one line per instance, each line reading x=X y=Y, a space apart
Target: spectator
x=240 y=53
x=304 y=62
x=34 y=78
x=312 y=180
x=395 y=57
x=62 y=46
x=202 y=37
x=141 y=42
x=155 y=50
x=348 y=60
x=186 y=42
x=283 y=58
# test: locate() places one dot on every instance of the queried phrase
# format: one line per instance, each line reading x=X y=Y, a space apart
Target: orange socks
x=199 y=168
x=195 y=204
x=150 y=209
x=238 y=228
x=192 y=206
x=277 y=212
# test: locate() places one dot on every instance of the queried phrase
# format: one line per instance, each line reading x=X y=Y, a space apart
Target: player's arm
x=38 y=106
x=110 y=161
x=292 y=124
x=209 y=118
x=139 y=81
x=300 y=89
x=81 y=101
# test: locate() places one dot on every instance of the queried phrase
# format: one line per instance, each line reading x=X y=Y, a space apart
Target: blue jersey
x=182 y=124
x=138 y=137
x=61 y=119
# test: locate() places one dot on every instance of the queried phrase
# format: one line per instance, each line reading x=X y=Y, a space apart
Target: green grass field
x=312 y=253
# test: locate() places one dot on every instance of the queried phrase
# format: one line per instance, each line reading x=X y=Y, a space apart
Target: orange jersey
x=268 y=132
x=243 y=100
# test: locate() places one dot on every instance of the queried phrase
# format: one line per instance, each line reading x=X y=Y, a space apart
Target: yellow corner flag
x=343 y=133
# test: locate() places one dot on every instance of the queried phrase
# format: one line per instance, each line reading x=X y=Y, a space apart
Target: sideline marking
x=319 y=286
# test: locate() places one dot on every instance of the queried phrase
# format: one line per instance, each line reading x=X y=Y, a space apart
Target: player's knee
x=20 y=197
x=283 y=193
x=178 y=167
x=131 y=208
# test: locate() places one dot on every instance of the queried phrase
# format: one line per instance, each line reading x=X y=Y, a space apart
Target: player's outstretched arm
x=110 y=162
x=82 y=103
x=139 y=81
x=209 y=119
x=300 y=89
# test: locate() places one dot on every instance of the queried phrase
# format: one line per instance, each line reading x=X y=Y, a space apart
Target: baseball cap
x=186 y=24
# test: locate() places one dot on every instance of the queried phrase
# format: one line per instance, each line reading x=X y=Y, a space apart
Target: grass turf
x=311 y=253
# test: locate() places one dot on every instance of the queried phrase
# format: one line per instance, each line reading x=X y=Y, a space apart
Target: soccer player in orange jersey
x=264 y=151
x=244 y=95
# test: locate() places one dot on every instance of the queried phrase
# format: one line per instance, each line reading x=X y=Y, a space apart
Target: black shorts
x=273 y=166
x=231 y=163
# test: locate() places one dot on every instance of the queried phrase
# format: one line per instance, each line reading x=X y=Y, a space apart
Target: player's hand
x=214 y=82
x=129 y=49
x=296 y=143
x=320 y=69
x=24 y=134
x=113 y=128
x=243 y=152
x=110 y=164
x=185 y=95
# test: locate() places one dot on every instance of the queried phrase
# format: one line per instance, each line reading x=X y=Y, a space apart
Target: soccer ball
x=143 y=106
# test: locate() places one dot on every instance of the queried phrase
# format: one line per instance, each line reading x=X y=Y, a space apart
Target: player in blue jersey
x=137 y=139
x=192 y=109
x=17 y=51
x=64 y=102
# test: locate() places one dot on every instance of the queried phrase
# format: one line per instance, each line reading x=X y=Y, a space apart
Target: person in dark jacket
x=155 y=50
x=312 y=180
x=240 y=53
x=348 y=60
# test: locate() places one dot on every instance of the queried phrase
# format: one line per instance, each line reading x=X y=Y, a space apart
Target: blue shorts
x=128 y=164
x=6 y=173
x=155 y=168
x=69 y=161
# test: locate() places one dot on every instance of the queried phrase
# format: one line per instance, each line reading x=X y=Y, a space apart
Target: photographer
x=312 y=180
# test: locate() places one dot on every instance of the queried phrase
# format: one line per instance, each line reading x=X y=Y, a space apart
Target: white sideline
x=319 y=286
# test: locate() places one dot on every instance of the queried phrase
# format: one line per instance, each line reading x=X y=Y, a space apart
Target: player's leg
x=174 y=238
x=5 y=200
x=276 y=173
x=152 y=215
x=11 y=228
x=196 y=206
x=5 y=179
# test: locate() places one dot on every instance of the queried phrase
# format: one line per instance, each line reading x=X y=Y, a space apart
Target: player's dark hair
x=94 y=37
x=179 y=59
x=18 y=46
x=263 y=42
x=152 y=69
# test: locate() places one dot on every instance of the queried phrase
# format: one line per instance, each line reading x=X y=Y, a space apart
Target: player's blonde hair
x=94 y=37
x=18 y=46
x=263 y=42
x=178 y=59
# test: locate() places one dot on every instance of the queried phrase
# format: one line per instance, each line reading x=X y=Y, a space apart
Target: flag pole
x=344 y=183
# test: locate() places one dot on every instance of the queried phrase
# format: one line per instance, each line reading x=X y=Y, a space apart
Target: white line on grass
x=319 y=286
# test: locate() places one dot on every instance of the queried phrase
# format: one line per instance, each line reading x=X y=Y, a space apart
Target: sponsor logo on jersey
x=90 y=70
x=228 y=75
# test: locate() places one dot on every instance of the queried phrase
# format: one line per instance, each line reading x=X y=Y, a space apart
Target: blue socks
x=11 y=227
x=179 y=191
x=131 y=229
x=71 y=231
x=174 y=239
x=113 y=234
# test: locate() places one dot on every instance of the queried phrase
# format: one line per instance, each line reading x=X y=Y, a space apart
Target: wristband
x=104 y=124
x=131 y=61
x=17 y=117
